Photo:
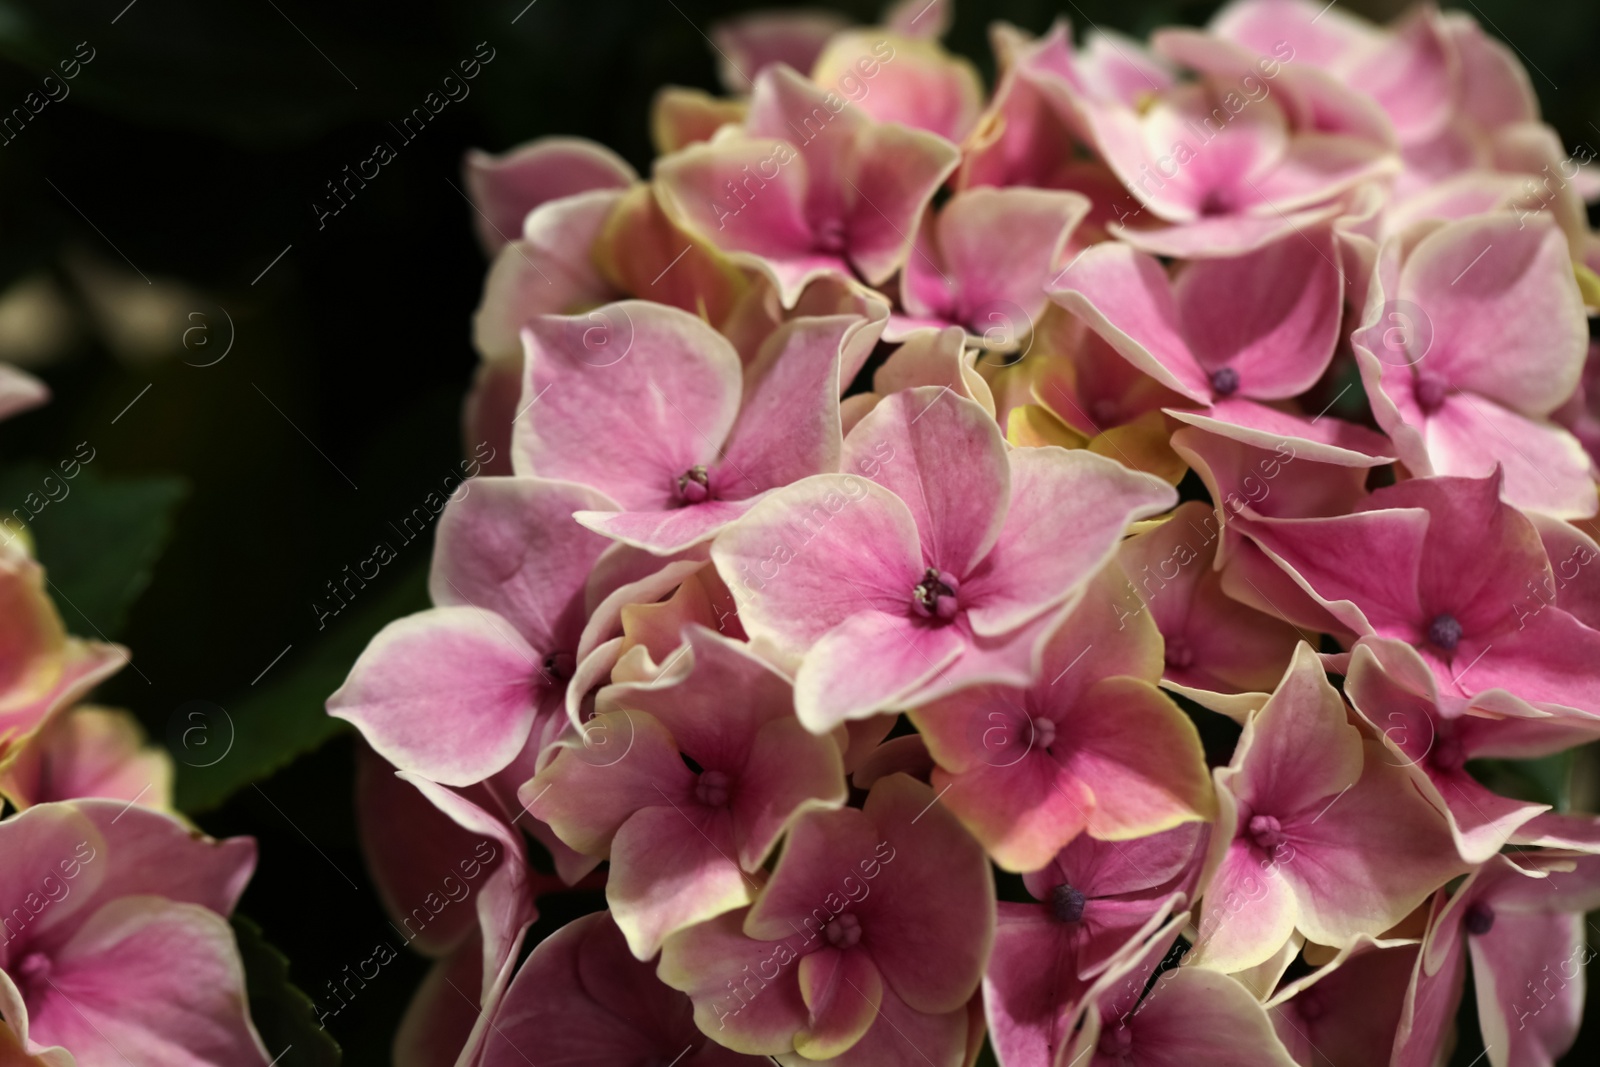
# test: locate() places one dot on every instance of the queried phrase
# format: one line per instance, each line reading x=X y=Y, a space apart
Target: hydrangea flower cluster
x=1161 y=477
x=114 y=942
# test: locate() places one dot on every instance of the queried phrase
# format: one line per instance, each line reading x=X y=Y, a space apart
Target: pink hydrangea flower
x=505 y=188
x=686 y=784
x=810 y=187
x=583 y=1001
x=1092 y=747
x=983 y=260
x=116 y=943
x=1473 y=336
x=1321 y=832
x=1410 y=71
x=1193 y=336
x=89 y=752
x=940 y=564
x=1211 y=170
x=1521 y=922
x=1390 y=685
x=1443 y=565
x=864 y=947
x=494 y=658
x=1097 y=902
x=653 y=408
x=1191 y=1015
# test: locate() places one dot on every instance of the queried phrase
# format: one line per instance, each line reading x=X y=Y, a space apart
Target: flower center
x=1117 y=1043
x=1105 y=412
x=844 y=931
x=1265 y=831
x=1178 y=653
x=1429 y=391
x=1044 y=732
x=1217 y=202
x=33 y=971
x=1479 y=918
x=829 y=236
x=1444 y=633
x=1224 y=381
x=694 y=484
x=1311 y=1006
x=712 y=789
x=559 y=665
x=935 y=596
x=1066 y=903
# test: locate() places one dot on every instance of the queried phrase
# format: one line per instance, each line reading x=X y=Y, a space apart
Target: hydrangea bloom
x=116 y=939
x=1160 y=477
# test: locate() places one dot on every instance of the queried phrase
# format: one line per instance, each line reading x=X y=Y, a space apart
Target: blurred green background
x=162 y=214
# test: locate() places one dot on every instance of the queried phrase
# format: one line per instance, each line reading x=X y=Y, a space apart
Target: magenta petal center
x=844 y=931
x=694 y=485
x=712 y=789
x=935 y=596
x=1266 y=832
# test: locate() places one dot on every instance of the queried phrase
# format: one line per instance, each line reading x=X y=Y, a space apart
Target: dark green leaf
x=284 y=715
x=284 y=1016
x=98 y=540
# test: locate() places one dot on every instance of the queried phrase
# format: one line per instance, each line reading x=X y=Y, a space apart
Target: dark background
x=139 y=215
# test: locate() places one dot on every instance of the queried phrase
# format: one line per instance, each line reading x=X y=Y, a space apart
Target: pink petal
x=1502 y=308
x=917 y=84
x=872 y=662
x=759 y=1013
x=510 y=546
x=944 y=457
x=504 y=902
x=1281 y=342
x=1528 y=973
x=898 y=170
x=842 y=991
x=628 y=427
x=840 y=544
x=1000 y=247
x=505 y=188
x=550 y=271
x=581 y=1000
x=1546 y=469
x=762 y=222
x=672 y=868
x=1194 y=1015
x=1125 y=297
x=461 y=665
x=934 y=877
x=153 y=980
x=788 y=425
x=748 y=44
x=1039 y=559
x=621 y=762
x=1140 y=756
x=1376 y=854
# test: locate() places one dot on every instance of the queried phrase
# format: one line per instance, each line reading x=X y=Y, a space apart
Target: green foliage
x=284 y=715
x=98 y=542
x=284 y=1016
